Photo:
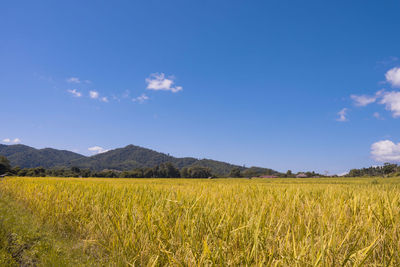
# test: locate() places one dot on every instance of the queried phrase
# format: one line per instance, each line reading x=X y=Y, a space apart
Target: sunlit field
x=284 y=222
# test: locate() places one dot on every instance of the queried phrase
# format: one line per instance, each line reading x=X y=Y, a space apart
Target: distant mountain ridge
x=126 y=158
x=29 y=157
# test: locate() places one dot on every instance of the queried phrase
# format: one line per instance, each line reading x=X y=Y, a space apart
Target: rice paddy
x=273 y=222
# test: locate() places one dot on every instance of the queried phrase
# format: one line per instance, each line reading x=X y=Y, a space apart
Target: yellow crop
x=284 y=222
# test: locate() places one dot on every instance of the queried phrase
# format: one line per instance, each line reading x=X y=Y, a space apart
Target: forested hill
x=29 y=157
x=126 y=158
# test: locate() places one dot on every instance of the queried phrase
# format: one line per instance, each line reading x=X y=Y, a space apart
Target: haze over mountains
x=126 y=158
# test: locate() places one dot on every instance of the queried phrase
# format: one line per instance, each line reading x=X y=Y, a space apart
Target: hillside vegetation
x=29 y=157
x=120 y=159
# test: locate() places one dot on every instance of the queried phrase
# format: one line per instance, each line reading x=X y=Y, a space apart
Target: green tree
x=4 y=165
x=199 y=172
x=76 y=170
x=355 y=173
x=235 y=172
x=22 y=172
x=148 y=173
x=389 y=168
x=184 y=172
x=15 y=170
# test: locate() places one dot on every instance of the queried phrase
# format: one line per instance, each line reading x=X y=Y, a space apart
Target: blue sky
x=300 y=85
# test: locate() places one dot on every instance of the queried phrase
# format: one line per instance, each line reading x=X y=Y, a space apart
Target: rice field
x=273 y=222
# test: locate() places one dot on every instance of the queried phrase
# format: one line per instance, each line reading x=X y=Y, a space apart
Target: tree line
x=168 y=170
x=163 y=170
x=388 y=169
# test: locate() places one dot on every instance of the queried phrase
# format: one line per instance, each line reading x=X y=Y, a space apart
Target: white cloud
x=94 y=94
x=142 y=98
x=15 y=140
x=97 y=149
x=75 y=93
x=158 y=82
x=393 y=77
x=385 y=150
x=73 y=80
x=363 y=100
x=391 y=100
x=342 y=115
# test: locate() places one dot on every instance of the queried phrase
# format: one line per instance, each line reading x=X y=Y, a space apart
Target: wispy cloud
x=377 y=115
x=73 y=80
x=393 y=77
x=391 y=100
x=158 y=81
x=77 y=80
x=104 y=99
x=97 y=149
x=126 y=94
x=142 y=98
x=363 y=100
x=342 y=115
x=388 y=61
x=385 y=151
x=75 y=92
x=94 y=94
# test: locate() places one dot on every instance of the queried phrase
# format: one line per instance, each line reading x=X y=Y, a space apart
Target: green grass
x=283 y=222
x=24 y=241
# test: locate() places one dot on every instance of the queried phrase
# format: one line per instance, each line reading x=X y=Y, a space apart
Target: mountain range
x=126 y=158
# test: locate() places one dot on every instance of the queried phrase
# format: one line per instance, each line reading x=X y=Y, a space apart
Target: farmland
x=325 y=221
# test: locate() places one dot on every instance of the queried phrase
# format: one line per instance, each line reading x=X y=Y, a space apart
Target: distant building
x=301 y=175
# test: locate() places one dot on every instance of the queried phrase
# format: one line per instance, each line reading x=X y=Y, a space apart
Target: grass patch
x=26 y=241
